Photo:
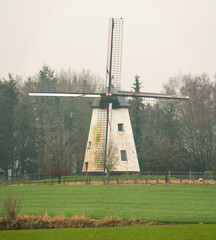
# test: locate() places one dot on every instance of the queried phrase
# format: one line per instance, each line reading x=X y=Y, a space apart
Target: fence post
x=190 y=174
x=117 y=180
x=39 y=178
x=104 y=180
x=86 y=181
x=64 y=180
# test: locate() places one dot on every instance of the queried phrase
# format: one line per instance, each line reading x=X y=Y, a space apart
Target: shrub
x=42 y=222
x=12 y=206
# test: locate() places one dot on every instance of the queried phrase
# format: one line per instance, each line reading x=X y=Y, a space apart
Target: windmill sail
x=73 y=95
x=100 y=139
x=150 y=95
x=113 y=76
x=114 y=53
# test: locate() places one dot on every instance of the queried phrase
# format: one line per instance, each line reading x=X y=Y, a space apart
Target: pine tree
x=136 y=108
x=8 y=101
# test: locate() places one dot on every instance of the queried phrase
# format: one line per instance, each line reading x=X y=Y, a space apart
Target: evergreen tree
x=8 y=101
x=136 y=106
x=25 y=147
x=135 y=110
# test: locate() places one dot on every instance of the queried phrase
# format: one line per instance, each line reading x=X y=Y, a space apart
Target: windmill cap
x=118 y=102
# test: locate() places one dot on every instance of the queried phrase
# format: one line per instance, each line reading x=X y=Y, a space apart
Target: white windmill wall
x=90 y=154
x=124 y=140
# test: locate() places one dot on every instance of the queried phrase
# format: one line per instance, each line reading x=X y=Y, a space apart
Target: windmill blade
x=113 y=70
x=72 y=95
x=108 y=128
x=100 y=139
x=114 y=53
x=150 y=95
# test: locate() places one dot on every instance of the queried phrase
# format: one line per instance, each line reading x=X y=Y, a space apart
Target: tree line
x=177 y=135
x=48 y=135
x=44 y=135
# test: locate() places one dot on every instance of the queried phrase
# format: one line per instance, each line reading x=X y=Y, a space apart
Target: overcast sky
x=161 y=37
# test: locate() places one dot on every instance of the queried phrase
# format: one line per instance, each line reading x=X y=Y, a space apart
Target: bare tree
x=165 y=153
x=57 y=154
x=197 y=118
x=109 y=159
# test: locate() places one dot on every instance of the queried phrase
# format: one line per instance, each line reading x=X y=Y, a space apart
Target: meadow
x=175 y=232
x=158 y=203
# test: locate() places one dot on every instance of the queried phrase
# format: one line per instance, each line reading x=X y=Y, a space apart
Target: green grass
x=191 y=204
x=175 y=232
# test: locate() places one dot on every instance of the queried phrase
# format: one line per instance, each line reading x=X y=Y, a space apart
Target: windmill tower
x=110 y=123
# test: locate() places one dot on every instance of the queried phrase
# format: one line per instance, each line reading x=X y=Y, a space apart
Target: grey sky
x=161 y=37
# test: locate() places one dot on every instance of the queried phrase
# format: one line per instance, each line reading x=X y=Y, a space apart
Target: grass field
x=185 y=204
x=175 y=232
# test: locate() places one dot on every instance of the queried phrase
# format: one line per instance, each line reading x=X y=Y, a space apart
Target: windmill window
x=123 y=155
x=89 y=145
x=120 y=127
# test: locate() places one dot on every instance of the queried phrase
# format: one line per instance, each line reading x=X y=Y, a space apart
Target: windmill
x=110 y=122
